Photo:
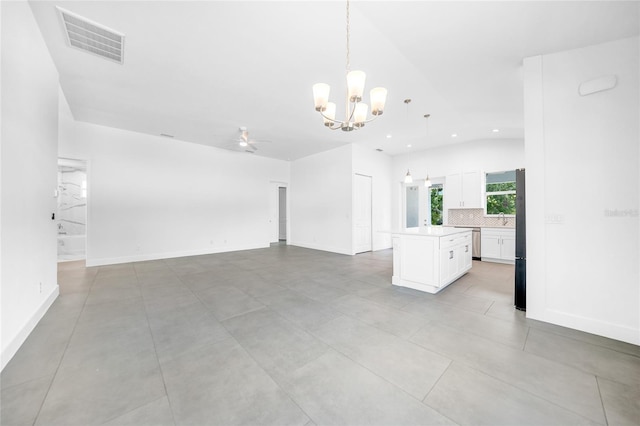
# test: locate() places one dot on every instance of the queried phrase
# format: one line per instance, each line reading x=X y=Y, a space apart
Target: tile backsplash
x=476 y=217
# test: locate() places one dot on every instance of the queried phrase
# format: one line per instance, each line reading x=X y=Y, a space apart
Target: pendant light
x=408 y=178
x=427 y=182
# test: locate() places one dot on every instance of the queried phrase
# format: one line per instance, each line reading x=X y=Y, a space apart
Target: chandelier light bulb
x=360 y=114
x=329 y=114
x=378 y=98
x=355 y=85
x=320 y=95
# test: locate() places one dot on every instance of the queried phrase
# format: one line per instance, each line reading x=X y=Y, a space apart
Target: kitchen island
x=430 y=259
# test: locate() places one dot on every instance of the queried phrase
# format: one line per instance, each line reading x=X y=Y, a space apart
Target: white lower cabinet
x=498 y=245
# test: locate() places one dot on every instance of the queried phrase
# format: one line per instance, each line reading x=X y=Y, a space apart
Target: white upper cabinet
x=464 y=190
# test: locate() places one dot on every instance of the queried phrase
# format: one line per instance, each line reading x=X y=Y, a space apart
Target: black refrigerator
x=520 y=294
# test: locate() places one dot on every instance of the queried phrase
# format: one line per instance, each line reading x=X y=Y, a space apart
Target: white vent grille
x=92 y=37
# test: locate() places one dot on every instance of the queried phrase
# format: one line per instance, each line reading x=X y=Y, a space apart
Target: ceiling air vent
x=92 y=37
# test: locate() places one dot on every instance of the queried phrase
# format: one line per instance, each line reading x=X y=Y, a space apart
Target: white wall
x=321 y=201
x=152 y=197
x=583 y=191
x=379 y=166
x=485 y=155
x=29 y=165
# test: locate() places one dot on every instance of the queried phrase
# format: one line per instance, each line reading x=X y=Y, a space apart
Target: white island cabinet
x=430 y=259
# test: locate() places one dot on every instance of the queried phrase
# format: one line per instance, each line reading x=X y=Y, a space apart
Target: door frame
x=355 y=206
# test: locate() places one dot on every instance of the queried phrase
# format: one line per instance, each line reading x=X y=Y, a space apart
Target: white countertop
x=433 y=231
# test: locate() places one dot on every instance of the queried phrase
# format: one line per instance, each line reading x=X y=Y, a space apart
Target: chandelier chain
x=348 y=63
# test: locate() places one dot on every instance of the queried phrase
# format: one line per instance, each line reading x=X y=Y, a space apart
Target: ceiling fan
x=244 y=143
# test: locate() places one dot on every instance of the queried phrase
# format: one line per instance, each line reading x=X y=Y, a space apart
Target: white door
x=362 y=214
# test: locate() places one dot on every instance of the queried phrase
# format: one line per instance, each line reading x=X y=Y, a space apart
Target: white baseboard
x=588 y=325
x=21 y=337
x=168 y=255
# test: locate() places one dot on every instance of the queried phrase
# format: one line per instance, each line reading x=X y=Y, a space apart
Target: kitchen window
x=500 y=195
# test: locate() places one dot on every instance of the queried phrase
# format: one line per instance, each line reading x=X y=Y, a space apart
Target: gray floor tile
x=301 y=310
x=597 y=360
x=39 y=355
x=227 y=302
x=470 y=397
x=187 y=267
x=113 y=292
x=165 y=290
x=119 y=350
x=568 y=387
x=402 y=363
x=465 y=301
x=160 y=279
x=506 y=312
x=395 y=297
x=392 y=320
x=182 y=330
x=93 y=396
x=155 y=413
x=21 y=403
x=274 y=342
x=221 y=384
x=335 y=390
x=114 y=315
x=621 y=402
x=312 y=289
x=510 y=333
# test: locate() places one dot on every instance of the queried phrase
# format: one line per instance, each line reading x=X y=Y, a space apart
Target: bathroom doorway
x=71 y=219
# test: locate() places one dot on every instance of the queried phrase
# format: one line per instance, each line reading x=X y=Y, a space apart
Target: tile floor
x=291 y=336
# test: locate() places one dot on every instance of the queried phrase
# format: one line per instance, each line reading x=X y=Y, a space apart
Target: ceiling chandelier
x=355 y=109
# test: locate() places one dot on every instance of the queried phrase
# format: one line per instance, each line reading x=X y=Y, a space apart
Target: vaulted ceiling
x=200 y=70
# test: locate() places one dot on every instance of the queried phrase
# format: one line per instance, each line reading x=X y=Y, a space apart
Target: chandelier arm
x=334 y=121
x=341 y=123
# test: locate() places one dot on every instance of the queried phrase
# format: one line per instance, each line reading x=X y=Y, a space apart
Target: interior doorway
x=71 y=217
x=282 y=214
x=362 y=217
x=279 y=231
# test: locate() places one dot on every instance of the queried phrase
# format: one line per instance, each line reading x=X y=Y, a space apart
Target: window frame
x=487 y=194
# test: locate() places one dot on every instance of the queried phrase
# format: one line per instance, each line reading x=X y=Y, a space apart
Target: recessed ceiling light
x=409 y=146
x=496 y=130
x=454 y=135
x=389 y=136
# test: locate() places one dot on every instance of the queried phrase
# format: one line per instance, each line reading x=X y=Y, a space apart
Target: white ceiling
x=199 y=70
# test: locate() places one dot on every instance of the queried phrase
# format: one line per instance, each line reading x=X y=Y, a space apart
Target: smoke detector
x=84 y=34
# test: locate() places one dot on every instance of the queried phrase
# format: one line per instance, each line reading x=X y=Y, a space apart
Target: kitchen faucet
x=504 y=219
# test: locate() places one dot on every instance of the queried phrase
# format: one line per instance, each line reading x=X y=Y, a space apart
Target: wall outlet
x=40 y=287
